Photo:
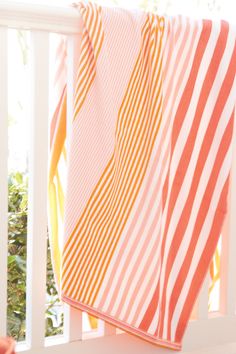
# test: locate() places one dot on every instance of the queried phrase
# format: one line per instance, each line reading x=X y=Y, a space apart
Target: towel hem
x=122 y=325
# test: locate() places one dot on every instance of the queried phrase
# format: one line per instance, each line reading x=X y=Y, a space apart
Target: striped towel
x=7 y=345
x=148 y=167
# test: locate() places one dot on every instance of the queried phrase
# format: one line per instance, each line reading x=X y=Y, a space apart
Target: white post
x=37 y=215
x=202 y=312
x=3 y=181
x=228 y=256
x=105 y=329
x=224 y=262
x=73 y=326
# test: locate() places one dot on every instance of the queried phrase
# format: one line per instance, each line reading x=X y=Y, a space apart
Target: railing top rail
x=32 y=16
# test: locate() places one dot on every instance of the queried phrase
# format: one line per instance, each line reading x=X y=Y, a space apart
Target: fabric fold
x=148 y=167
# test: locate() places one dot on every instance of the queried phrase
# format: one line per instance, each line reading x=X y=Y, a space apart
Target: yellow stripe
x=60 y=195
x=54 y=242
x=59 y=139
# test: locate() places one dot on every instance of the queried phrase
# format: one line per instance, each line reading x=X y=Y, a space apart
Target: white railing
x=215 y=330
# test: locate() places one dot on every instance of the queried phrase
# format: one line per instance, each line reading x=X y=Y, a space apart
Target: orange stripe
x=185 y=159
x=223 y=148
x=113 y=161
x=59 y=137
x=224 y=92
x=87 y=39
x=115 y=169
x=86 y=87
x=56 y=118
x=124 y=204
x=179 y=117
x=202 y=266
x=92 y=299
x=100 y=182
x=147 y=157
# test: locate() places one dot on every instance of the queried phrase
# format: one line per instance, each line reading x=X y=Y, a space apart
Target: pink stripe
x=175 y=94
x=152 y=173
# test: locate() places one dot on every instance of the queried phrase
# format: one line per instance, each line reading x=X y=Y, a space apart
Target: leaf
x=11 y=259
x=19 y=178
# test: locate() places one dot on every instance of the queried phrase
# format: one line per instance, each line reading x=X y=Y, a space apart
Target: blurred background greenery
x=17 y=248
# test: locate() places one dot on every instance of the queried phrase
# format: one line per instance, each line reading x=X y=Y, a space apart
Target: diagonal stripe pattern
x=147 y=199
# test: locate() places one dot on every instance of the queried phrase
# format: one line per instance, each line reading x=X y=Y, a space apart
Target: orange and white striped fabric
x=148 y=167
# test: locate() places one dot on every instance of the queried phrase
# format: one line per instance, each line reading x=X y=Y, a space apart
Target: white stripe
x=144 y=272
x=147 y=274
x=154 y=100
x=84 y=86
x=131 y=239
x=126 y=281
x=73 y=217
x=92 y=230
x=85 y=58
x=133 y=129
x=97 y=192
x=175 y=106
x=90 y=24
x=224 y=172
x=97 y=35
x=126 y=190
x=149 y=297
x=172 y=67
x=75 y=167
x=212 y=99
x=122 y=239
x=130 y=92
x=129 y=243
x=72 y=200
x=151 y=190
x=160 y=162
x=179 y=147
x=153 y=326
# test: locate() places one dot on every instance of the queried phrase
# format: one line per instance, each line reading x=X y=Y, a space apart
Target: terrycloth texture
x=7 y=346
x=56 y=190
x=149 y=159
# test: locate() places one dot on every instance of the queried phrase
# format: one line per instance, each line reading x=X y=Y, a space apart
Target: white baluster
x=203 y=299
x=72 y=323
x=3 y=180
x=37 y=215
x=73 y=327
x=105 y=329
x=228 y=256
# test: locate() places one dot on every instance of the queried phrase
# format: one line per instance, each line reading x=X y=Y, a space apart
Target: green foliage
x=54 y=316
x=17 y=235
x=17 y=253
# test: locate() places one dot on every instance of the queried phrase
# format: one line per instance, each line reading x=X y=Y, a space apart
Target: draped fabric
x=148 y=167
